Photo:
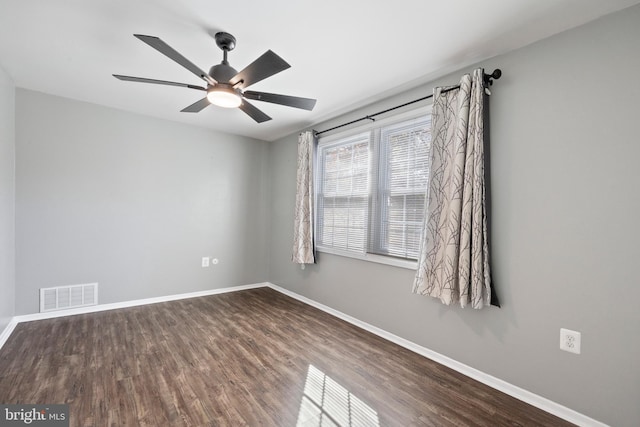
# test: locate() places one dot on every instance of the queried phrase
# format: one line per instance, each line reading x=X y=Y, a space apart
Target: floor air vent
x=63 y=297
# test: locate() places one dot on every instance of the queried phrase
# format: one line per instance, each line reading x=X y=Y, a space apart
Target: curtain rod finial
x=489 y=78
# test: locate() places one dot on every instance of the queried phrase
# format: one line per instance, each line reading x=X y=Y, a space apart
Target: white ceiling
x=345 y=53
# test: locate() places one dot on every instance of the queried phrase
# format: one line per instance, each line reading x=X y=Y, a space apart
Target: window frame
x=335 y=139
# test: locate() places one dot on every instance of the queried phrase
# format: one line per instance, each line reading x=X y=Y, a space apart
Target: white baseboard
x=493 y=382
x=113 y=306
x=4 y=336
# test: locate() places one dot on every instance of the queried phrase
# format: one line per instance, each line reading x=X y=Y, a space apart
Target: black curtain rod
x=488 y=81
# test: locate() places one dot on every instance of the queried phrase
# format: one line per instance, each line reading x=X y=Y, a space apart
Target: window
x=371 y=187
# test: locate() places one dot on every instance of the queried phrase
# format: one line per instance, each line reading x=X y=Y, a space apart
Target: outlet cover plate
x=570 y=341
x=205 y=261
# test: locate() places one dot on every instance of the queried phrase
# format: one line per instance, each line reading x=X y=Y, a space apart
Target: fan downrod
x=225 y=41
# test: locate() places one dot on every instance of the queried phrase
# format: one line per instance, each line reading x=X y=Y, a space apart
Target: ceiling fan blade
x=170 y=52
x=197 y=106
x=158 y=82
x=265 y=66
x=289 y=101
x=253 y=112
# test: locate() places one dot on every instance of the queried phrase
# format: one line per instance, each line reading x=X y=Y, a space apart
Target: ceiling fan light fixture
x=224 y=97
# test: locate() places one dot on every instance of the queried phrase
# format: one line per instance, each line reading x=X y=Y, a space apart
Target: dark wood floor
x=253 y=358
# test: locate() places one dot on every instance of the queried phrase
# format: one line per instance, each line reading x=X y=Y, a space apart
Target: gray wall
x=565 y=150
x=7 y=199
x=133 y=203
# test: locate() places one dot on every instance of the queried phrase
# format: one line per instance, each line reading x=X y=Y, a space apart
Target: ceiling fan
x=225 y=86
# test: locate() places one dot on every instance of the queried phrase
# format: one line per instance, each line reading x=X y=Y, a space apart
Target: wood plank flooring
x=256 y=358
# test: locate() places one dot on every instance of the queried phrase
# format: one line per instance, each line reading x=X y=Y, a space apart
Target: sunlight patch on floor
x=326 y=403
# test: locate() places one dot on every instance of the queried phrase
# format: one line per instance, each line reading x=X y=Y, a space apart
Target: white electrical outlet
x=205 y=261
x=570 y=341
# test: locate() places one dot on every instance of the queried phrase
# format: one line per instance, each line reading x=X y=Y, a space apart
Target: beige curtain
x=303 y=250
x=453 y=264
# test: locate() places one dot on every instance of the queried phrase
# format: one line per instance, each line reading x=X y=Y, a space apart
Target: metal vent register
x=63 y=297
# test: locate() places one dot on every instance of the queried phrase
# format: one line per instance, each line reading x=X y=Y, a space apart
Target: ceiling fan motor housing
x=222 y=72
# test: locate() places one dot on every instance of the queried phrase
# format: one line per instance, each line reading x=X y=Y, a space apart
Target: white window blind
x=403 y=174
x=343 y=194
x=371 y=188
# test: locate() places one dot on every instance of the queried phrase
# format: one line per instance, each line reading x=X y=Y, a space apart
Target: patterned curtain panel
x=453 y=264
x=303 y=251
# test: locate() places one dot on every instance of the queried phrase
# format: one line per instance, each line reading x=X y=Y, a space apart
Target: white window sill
x=380 y=259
